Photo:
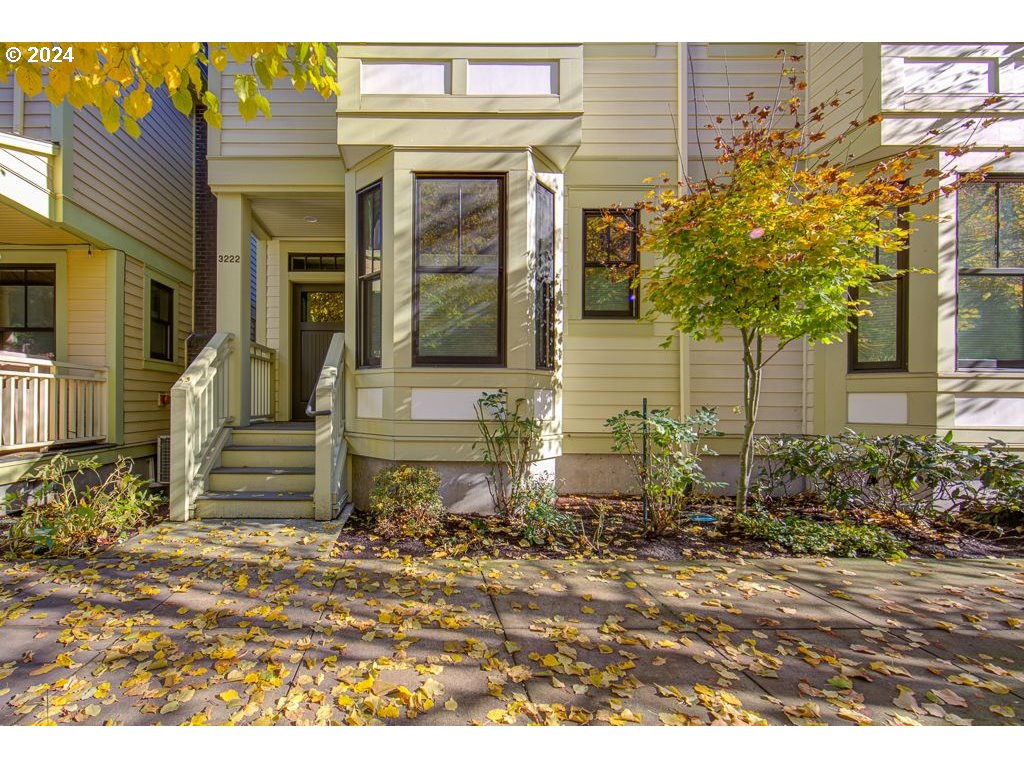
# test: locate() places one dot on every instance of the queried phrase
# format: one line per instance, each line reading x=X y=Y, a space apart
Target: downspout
x=681 y=172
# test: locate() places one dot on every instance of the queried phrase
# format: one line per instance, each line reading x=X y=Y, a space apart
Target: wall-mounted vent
x=163 y=460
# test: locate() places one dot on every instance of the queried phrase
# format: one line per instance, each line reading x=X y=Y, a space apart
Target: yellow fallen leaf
x=451 y=705
x=1001 y=709
x=1014 y=622
x=229 y=695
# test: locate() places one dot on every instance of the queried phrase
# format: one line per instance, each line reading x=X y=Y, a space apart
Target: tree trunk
x=752 y=369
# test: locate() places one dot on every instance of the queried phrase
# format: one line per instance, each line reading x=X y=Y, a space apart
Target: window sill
x=150 y=364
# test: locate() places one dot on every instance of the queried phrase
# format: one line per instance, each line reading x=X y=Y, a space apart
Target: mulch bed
x=624 y=537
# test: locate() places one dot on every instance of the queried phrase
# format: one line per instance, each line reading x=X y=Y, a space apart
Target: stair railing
x=199 y=419
x=327 y=405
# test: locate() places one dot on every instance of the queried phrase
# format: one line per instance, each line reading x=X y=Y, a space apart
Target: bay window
x=544 y=278
x=369 y=237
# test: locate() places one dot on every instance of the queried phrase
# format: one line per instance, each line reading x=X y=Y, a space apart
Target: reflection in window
x=27 y=298
x=990 y=261
x=544 y=278
x=878 y=342
x=323 y=307
x=161 y=323
x=459 y=263
x=370 y=256
x=609 y=264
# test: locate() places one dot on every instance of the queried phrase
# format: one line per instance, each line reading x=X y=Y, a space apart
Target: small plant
x=537 y=515
x=510 y=441
x=594 y=539
x=406 y=501
x=805 y=536
x=60 y=519
x=671 y=472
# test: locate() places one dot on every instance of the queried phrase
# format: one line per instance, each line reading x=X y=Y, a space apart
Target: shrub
x=406 y=501
x=672 y=470
x=918 y=476
x=510 y=440
x=57 y=518
x=806 y=536
x=537 y=517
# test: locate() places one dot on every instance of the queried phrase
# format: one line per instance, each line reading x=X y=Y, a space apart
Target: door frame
x=293 y=343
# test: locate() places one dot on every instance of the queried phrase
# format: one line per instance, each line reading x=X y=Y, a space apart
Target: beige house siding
x=35 y=112
x=86 y=307
x=141 y=186
x=304 y=124
x=837 y=70
x=144 y=381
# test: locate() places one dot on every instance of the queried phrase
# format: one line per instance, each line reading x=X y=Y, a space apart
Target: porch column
x=234 y=225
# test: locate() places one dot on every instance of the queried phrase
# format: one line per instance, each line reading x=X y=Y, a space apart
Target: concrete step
x=261 y=479
x=268 y=456
x=266 y=436
x=250 y=505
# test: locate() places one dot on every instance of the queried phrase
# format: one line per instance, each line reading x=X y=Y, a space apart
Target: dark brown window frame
x=497 y=361
x=365 y=280
x=899 y=365
x=997 y=271
x=53 y=319
x=168 y=330
x=544 y=287
x=634 y=306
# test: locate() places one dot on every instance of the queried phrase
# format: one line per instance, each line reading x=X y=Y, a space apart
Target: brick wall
x=204 y=307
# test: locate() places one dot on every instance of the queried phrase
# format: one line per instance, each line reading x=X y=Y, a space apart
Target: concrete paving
x=259 y=623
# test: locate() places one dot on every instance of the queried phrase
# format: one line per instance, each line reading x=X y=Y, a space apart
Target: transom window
x=610 y=262
x=990 y=265
x=161 y=321
x=370 y=239
x=458 y=273
x=878 y=342
x=27 y=304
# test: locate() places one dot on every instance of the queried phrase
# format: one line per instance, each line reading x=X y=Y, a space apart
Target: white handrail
x=46 y=403
x=331 y=485
x=262 y=378
x=199 y=418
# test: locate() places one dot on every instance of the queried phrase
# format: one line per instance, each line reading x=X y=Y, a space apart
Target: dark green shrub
x=806 y=536
x=673 y=471
x=917 y=476
x=63 y=516
x=406 y=501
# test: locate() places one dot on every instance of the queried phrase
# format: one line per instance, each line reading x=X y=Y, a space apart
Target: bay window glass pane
x=544 y=278
x=438 y=222
x=12 y=305
x=374 y=319
x=976 y=226
x=1011 y=224
x=990 y=318
x=370 y=234
x=458 y=315
x=877 y=333
x=605 y=291
x=479 y=223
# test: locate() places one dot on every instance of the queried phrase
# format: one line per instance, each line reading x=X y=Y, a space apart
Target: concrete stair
x=265 y=471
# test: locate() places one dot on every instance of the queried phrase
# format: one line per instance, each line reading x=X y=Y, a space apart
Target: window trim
x=365 y=281
x=171 y=324
x=497 y=361
x=633 y=313
x=982 y=364
x=56 y=302
x=545 y=345
x=900 y=364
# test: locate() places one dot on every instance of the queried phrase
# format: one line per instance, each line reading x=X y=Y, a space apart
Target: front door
x=319 y=313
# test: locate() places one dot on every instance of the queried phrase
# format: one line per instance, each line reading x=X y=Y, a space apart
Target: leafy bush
x=806 y=536
x=672 y=471
x=536 y=516
x=918 y=476
x=59 y=519
x=406 y=501
x=510 y=440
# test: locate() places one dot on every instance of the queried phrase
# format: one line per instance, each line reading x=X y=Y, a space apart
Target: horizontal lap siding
x=836 y=69
x=144 y=419
x=141 y=186
x=86 y=302
x=629 y=102
x=304 y=124
x=35 y=113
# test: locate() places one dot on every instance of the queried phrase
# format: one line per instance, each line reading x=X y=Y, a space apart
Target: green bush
x=406 y=501
x=510 y=440
x=806 y=536
x=537 y=517
x=59 y=519
x=672 y=472
x=917 y=476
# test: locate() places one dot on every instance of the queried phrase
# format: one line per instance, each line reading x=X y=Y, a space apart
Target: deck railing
x=331 y=483
x=262 y=378
x=46 y=403
x=199 y=416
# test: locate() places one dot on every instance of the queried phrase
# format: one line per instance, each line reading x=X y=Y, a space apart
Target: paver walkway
x=257 y=623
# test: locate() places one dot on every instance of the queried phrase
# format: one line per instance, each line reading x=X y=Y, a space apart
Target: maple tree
x=780 y=243
x=118 y=78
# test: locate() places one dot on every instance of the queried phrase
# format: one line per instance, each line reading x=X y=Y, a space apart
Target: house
x=366 y=267
x=95 y=281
